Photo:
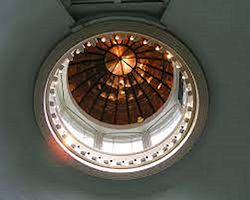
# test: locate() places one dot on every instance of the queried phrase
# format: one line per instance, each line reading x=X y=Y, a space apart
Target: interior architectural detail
x=54 y=147
x=80 y=9
x=124 y=99
x=120 y=80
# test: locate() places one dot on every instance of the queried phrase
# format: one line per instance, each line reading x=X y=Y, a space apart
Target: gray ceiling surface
x=218 y=32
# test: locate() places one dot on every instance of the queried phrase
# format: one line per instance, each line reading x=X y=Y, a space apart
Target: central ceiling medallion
x=123 y=99
x=120 y=60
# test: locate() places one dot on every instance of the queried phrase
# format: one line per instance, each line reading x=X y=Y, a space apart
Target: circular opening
x=123 y=104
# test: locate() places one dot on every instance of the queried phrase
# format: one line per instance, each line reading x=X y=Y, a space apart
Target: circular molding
x=136 y=164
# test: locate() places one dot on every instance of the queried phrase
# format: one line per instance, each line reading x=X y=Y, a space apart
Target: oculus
x=124 y=99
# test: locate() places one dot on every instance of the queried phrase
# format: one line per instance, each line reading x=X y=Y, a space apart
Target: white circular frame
x=136 y=164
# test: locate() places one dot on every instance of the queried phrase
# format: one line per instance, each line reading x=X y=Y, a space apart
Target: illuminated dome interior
x=120 y=102
x=120 y=79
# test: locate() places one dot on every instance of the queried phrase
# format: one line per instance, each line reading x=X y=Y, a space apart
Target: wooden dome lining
x=138 y=88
